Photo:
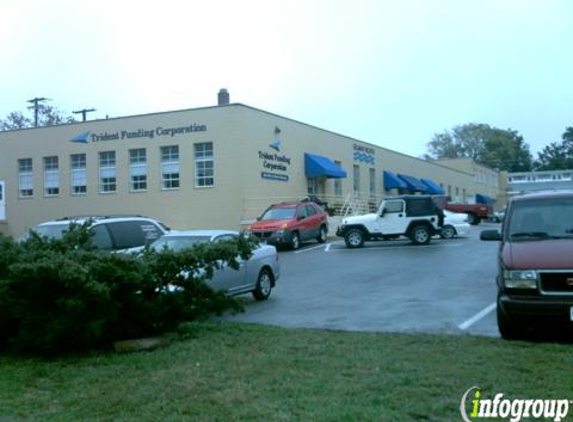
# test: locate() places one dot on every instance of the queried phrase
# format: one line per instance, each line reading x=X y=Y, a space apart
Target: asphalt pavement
x=447 y=286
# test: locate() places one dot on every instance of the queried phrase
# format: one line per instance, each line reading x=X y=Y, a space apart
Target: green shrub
x=60 y=296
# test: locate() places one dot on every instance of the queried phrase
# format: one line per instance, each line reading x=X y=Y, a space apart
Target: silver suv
x=113 y=233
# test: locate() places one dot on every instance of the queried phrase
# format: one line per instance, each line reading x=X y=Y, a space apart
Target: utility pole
x=83 y=112
x=36 y=101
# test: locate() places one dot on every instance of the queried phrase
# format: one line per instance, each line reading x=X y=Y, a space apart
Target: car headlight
x=520 y=279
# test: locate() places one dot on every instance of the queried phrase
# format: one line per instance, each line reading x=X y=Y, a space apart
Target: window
x=107 y=172
x=132 y=234
x=204 y=171
x=138 y=169
x=356 y=181
x=170 y=167
x=51 y=176
x=338 y=182
x=310 y=211
x=78 y=176
x=393 y=206
x=311 y=186
x=25 y=178
x=372 y=182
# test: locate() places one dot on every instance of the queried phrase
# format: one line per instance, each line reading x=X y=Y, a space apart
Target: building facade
x=534 y=181
x=212 y=167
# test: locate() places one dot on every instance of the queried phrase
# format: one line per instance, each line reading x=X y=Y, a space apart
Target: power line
x=36 y=106
x=83 y=112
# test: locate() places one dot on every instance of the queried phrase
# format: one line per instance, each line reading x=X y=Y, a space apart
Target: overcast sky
x=392 y=73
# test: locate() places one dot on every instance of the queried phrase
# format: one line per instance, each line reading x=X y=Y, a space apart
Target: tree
x=490 y=146
x=557 y=156
x=47 y=116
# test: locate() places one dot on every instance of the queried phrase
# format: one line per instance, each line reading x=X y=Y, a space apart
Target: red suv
x=290 y=223
x=535 y=278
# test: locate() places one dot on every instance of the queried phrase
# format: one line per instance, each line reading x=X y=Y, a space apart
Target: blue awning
x=317 y=166
x=433 y=187
x=413 y=183
x=483 y=199
x=391 y=181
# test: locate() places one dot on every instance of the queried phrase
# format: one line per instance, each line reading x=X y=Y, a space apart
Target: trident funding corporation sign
x=159 y=131
x=275 y=165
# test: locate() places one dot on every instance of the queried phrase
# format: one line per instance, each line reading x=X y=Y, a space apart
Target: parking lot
x=445 y=287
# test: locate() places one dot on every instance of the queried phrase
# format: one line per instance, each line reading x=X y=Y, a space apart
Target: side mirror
x=490 y=235
x=300 y=217
x=259 y=218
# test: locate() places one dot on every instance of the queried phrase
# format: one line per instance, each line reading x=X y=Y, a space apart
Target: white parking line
x=391 y=247
x=327 y=247
x=481 y=314
x=310 y=249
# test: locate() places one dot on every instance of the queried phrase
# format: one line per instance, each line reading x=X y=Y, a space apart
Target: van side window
x=101 y=238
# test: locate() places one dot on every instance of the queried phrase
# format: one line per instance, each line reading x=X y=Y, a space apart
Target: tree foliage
x=62 y=295
x=557 y=155
x=47 y=116
x=490 y=146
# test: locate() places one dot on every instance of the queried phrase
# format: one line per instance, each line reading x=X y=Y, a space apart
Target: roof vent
x=223 y=97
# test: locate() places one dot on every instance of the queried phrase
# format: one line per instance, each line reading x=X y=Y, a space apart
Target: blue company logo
x=364 y=157
x=81 y=138
x=275 y=145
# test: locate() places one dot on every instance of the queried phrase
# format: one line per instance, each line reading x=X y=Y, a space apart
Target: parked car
x=113 y=233
x=498 y=215
x=257 y=275
x=416 y=217
x=455 y=224
x=535 y=278
x=291 y=223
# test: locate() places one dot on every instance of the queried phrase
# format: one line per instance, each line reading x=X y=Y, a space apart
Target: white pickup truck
x=416 y=217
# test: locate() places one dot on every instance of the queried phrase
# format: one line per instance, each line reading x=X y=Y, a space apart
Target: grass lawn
x=240 y=372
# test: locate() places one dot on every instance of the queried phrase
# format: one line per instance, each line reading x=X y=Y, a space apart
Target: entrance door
x=2 y=200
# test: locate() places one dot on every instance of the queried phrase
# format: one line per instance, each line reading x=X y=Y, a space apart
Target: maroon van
x=535 y=277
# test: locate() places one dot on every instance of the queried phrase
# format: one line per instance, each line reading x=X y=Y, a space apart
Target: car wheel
x=264 y=285
x=322 y=235
x=420 y=235
x=508 y=329
x=448 y=232
x=354 y=238
x=295 y=241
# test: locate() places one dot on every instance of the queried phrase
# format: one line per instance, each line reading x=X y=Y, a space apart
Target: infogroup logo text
x=513 y=409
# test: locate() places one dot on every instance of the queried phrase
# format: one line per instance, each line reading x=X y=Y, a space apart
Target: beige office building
x=212 y=167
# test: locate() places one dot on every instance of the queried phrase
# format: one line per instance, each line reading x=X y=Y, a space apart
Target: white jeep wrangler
x=416 y=217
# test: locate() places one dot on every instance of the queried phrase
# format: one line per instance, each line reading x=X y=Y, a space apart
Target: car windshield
x=282 y=213
x=54 y=231
x=177 y=243
x=541 y=219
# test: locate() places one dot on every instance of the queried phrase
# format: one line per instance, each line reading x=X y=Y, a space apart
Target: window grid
x=78 y=175
x=25 y=178
x=170 y=167
x=138 y=169
x=338 y=182
x=107 y=172
x=356 y=181
x=204 y=168
x=51 y=176
x=372 y=182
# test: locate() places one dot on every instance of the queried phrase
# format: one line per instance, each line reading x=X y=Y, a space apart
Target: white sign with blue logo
x=364 y=154
x=275 y=165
